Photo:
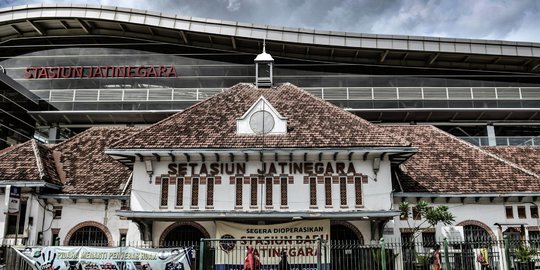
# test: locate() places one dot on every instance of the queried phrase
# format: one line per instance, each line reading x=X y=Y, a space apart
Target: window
x=164 y=191
x=416 y=213
x=343 y=190
x=55 y=239
x=509 y=212
x=195 y=191
x=428 y=239
x=88 y=236
x=210 y=191
x=57 y=212
x=284 y=195
x=269 y=192
x=521 y=212
x=12 y=220
x=238 y=183
x=534 y=211
x=534 y=239
x=179 y=191
x=123 y=239
x=358 y=190
x=328 y=191
x=124 y=205
x=409 y=253
x=313 y=191
x=254 y=192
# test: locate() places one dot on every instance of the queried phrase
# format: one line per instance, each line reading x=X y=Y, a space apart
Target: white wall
x=484 y=211
x=73 y=213
x=145 y=196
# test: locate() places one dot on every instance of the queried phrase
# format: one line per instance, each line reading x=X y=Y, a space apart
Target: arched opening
x=345 y=241
x=343 y=232
x=476 y=236
x=183 y=234
x=89 y=236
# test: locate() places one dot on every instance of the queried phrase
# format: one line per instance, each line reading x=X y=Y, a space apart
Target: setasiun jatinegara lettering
x=99 y=72
x=239 y=168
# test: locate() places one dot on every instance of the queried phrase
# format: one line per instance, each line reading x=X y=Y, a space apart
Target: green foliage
x=525 y=253
x=441 y=214
x=422 y=259
x=428 y=214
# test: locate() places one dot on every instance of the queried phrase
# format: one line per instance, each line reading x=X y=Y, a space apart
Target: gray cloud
x=479 y=19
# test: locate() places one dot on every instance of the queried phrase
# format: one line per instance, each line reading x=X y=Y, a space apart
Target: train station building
x=152 y=129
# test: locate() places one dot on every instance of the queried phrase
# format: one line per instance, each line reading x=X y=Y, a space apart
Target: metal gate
x=263 y=254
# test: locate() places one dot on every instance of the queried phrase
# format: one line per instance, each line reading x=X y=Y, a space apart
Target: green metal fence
x=301 y=254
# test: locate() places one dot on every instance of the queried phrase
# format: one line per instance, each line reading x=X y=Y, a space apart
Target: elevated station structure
x=101 y=65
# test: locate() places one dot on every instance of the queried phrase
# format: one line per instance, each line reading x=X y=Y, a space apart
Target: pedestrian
x=284 y=263
x=437 y=257
x=251 y=262
x=483 y=258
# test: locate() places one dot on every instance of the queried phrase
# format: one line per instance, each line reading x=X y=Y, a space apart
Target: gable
x=261 y=118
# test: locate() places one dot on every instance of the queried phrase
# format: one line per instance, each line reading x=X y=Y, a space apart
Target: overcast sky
x=516 y=20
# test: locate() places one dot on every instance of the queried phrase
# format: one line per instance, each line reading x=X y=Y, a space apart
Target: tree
x=430 y=216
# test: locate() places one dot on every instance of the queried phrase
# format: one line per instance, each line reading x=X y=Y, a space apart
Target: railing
x=504 y=141
x=329 y=93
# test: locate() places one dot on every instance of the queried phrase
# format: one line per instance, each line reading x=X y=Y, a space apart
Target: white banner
x=269 y=245
x=101 y=258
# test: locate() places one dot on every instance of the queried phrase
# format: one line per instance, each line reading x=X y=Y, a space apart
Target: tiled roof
x=88 y=170
x=29 y=161
x=525 y=156
x=312 y=122
x=446 y=164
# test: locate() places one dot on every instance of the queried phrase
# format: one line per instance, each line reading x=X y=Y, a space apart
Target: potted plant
x=524 y=257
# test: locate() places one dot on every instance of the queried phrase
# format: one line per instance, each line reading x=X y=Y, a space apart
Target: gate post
x=446 y=256
x=383 y=255
x=319 y=243
x=507 y=253
x=201 y=255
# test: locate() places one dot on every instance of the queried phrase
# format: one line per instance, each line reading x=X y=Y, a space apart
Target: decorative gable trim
x=260 y=113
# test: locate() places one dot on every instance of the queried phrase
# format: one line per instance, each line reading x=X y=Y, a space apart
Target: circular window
x=261 y=122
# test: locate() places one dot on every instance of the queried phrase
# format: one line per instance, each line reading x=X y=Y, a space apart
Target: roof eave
x=26 y=183
x=180 y=151
x=83 y=196
x=491 y=196
x=213 y=215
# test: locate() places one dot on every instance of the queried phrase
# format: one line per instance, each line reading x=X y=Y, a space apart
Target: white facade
x=492 y=216
x=376 y=186
x=39 y=217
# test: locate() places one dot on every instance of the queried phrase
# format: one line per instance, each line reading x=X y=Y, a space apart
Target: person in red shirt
x=437 y=257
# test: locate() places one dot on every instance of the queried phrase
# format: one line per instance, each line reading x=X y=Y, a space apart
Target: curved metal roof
x=22 y=25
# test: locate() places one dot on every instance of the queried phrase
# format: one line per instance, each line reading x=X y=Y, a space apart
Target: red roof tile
x=527 y=157
x=446 y=164
x=29 y=161
x=88 y=170
x=312 y=123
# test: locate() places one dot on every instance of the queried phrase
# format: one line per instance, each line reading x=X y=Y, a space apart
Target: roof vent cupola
x=264 y=64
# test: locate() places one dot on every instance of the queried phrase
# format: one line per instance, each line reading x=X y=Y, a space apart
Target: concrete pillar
x=54 y=134
x=491 y=135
